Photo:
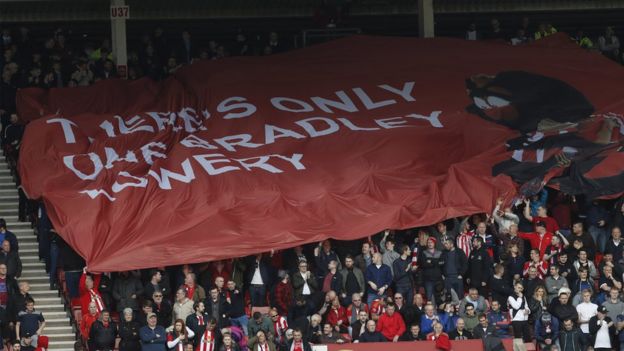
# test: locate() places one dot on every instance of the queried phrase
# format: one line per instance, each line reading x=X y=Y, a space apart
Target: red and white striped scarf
x=280 y=326
x=95 y=297
x=207 y=342
x=415 y=253
x=464 y=242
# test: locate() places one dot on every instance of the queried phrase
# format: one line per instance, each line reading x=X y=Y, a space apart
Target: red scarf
x=207 y=341
x=297 y=346
x=99 y=304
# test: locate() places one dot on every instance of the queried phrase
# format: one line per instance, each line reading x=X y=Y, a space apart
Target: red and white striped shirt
x=280 y=326
x=464 y=242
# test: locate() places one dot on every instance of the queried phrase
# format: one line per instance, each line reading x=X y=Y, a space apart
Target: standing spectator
x=597 y=217
x=179 y=337
x=387 y=250
x=153 y=336
x=609 y=44
x=614 y=304
x=72 y=265
x=280 y=326
x=479 y=266
x=156 y=284
x=283 y=295
x=197 y=321
x=358 y=327
x=323 y=254
x=541 y=266
x=500 y=286
x=88 y=319
x=403 y=273
x=537 y=303
x=378 y=278
x=183 y=306
x=479 y=302
x=258 y=279
x=365 y=258
x=193 y=291
x=304 y=284
x=216 y=307
x=332 y=281
x=29 y=322
x=126 y=290
x=519 y=313
x=236 y=308
x=17 y=302
x=11 y=259
x=499 y=319
x=584 y=262
x=162 y=308
x=129 y=332
x=570 y=337
x=454 y=269
x=352 y=280
x=615 y=245
x=514 y=262
x=554 y=283
x=602 y=331
x=586 y=310
x=103 y=333
x=90 y=292
x=431 y=264
x=540 y=239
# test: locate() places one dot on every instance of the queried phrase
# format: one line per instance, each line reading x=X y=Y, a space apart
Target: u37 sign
x=120 y=12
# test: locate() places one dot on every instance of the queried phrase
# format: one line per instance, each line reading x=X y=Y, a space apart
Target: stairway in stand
x=58 y=327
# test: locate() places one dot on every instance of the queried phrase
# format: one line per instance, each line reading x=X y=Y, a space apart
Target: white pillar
x=425 y=18
x=118 y=31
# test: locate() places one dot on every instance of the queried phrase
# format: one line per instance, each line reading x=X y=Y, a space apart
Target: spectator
x=597 y=217
x=162 y=308
x=332 y=279
x=570 y=337
x=460 y=333
x=155 y=284
x=472 y=33
x=484 y=329
x=365 y=258
x=261 y=342
x=431 y=265
x=6 y=234
x=90 y=292
x=258 y=279
x=88 y=319
x=536 y=262
x=562 y=308
x=193 y=291
x=197 y=321
x=586 y=310
x=236 y=308
x=352 y=280
x=358 y=327
x=584 y=262
x=546 y=331
x=584 y=282
x=454 y=269
x=615 y=246
x=314 y=330
x=29 y=322
x=17 y=302
x=387 y=249
x=153 y=336
x=470 y=317
x=304 y=284
x=83 y=76
x=390 y=324
x=609 y=44
x=283 y=295
x=514 y=262
x=126 y=290
x=179 y=336
x=403 y=270
x=103 y=333
x=540 y=239
x=129 y=332
x=378 y=278
x=535 y=211
x=479 y=266
x=11 y=259
x=229 y=344
x=183 y=306
x=216 y=307
x=337 y=317
x=211 y=337
x=544 y=30
x=405 y=310
x=519 y=313
x=260 y=323
x=554 y=283
x=430 y=316
x=371 y=334
x=499 y=319
x=602 y=331
x=323 y=254
x=280 y=326
x=147 y=307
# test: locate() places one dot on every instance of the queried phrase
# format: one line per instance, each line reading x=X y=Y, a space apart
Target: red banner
x=341 y=140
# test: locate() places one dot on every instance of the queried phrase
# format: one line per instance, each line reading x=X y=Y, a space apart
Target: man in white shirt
x=602 y=330
x=586 y=310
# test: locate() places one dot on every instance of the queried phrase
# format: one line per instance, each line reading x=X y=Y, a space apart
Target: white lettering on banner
x=161 y=121
x=271 y=133
x=295 y=160
x=95 y=160
x=278 y=103
x=192 y=141
x=149 y=153
x=117 y=187
x=352 y=126
x=433 y=118
x=229 y=142
x=165 y=174
x=67 y=130
x=239 y=103
x=345 y=103
x=260 y=162
x=313 y=132
x=112 y=156
x=191 y=120
x=93 y=193
x=370 y=104
x=404 y=92
x=207 y=164
x=392 y=122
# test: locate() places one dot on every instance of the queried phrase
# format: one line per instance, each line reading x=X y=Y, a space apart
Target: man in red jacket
x=540 y=239
x=391 y=324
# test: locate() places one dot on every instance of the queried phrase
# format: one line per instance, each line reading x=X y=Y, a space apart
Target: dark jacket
x=101 y=337
x=454 y=335
x=407 y=336
x=594 y=326
x=461 y=261
x=298 y=282
x=221 y=308
x=306 y=345
x=571 y=340
x=265 y=272
x=402 y=278
x=359 y=276
x=192 y=322
x=501 y=290
x=236 y=306
x=153 y=339
x=479 y=267
x=123 y=290
x=563 y=312
x=372 y=337
x=163 y=312
x=355 y=330
x=13 y=262
x=479 y=333
x=129 y=334
x=431 y=265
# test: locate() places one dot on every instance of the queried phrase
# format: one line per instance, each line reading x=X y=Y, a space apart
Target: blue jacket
x=380 y=276
x=540 y=202
x=426 y=324
x=153 y=340
x=541 y=332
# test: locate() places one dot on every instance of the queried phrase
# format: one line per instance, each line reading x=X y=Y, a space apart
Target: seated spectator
x=532 y=281
x=88 y=319
x=261 y=342
x=297 y=343
x=314 y=330
x=280 y=326
x=26 y=343
x=183 y=306
x=359 y=326
x=179 y=336
x=17 y=302
x=439 y=336
x=562 y=307
x=584 y=262
x=329 y=336
x=260 y=323
x=29 y=322
x=228 y=343
x=500 y=320
x=406 y=310
x=430 y=316
x=103 y=333
x=6 y=234
x=460 y=332
x=470 y=317
x=371 y=334
x=11 y=259
x=356 y=306
x=129 y=332
x=192 y=290
x=413 y=334
x=391 y=324
x=544 y=30
x=147 y=307
x=90 y=292
x=126 y=290
x=83 y=76
x=570 y=337
x=484 y=329
x=161 y=307
x=615 y=246
x=546 y=331
x=153 y=336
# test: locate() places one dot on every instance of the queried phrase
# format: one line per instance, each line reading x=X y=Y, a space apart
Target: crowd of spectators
x=548 y=270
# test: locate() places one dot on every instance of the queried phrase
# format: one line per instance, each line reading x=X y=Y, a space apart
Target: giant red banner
x=342 y=140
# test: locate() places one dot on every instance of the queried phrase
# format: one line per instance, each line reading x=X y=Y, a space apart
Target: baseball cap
x=603 y=309
x=150 y=315
x=564 y=290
